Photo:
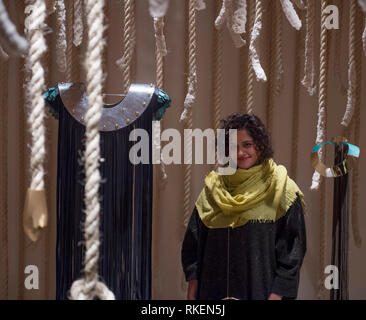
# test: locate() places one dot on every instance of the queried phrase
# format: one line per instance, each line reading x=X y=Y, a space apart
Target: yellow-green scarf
x=263 y=192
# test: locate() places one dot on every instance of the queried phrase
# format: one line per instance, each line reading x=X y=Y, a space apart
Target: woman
x=246 y=236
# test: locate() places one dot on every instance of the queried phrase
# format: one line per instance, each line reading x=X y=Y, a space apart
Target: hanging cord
x=9 y=34
x=129 y=43
x=61 y=46
x=321 y=136
x=351 y=92
x=291 y=14
x=217 y=75
x=78 y=22
x=323 y=83
x=309 y=68
x=36 y=11
x=186 y=116
x=250 y=83
x=69 y=45
x=277 y=49
x=90 y=287
x=259 y=72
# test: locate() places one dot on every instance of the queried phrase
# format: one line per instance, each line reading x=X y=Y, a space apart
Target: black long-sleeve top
x=247 y=262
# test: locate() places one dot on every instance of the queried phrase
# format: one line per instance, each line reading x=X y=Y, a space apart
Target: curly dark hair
x=255 y=129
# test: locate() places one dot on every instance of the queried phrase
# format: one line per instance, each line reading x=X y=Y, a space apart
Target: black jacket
x=247 y=262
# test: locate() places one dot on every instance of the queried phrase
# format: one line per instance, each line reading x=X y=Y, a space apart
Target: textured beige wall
x=168 y=219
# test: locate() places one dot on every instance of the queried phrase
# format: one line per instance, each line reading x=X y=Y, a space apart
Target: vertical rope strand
x=347 y=117
x=309 y=68
x=69 y=41
x=90 y=286
x=129 y=43
x=78 y=26
x=259 y=72
x=278 y=50
x=217 y=73
x=35 y=88
x=61 y=35
x=321 y=137
x=250 y=85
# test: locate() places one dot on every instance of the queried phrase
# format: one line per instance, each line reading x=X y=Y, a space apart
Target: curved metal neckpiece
x=114 y=117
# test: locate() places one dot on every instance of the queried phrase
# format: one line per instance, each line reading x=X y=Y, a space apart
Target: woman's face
x=247 y=155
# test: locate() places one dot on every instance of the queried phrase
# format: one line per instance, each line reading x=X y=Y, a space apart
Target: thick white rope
x=259 y=72
x=234 y=26
x=34 y=24
x=290 y=13
x=90 y=287
x=309 y=67
x=129 y=43
x=9 y=34
x=61 y=45
x=78 y=22
x=351 y=92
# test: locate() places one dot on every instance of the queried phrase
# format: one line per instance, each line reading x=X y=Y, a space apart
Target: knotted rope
x=250 y=83
x=61 y=45
x=78 y=22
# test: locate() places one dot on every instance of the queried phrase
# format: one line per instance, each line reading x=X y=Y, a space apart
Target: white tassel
x=290 y=13
x=158 y=8
x=200 y=5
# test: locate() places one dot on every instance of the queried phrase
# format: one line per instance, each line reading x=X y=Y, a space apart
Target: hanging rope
x=158 y=10
x=234 y=22
x=322 y=99
x=277 y=49
x=351 y=92
x=78 y=22
x=186 y=116
x=90 y=287
x=35 y=87
x=309 y=67
x=259 y=72
x=321 y=136
x=9 y=35
x=250 y=85
x=129 y=43
x=290 y=13
x=61 y=45
x=69 y=37
x=217 y=75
